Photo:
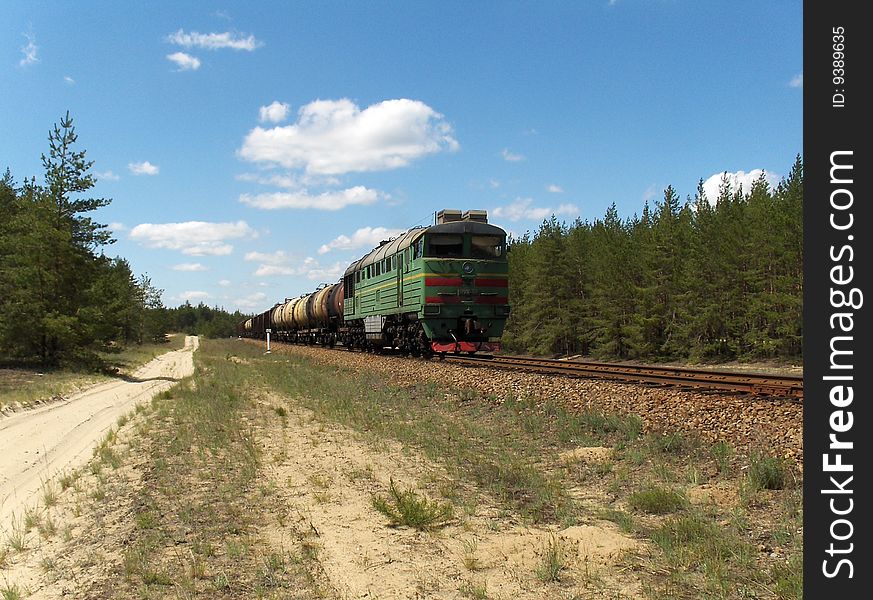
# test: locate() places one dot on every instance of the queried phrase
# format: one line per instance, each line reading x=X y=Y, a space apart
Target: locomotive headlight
x=467 y=268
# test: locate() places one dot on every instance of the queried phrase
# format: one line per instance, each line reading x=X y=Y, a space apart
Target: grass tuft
x=657 y=500
x=11 y=592
x=404 y=507
x=553 y=561
x=767 y=472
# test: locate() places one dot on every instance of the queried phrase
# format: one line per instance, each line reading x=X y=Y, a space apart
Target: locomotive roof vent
x=447 y=216
x=480 y=216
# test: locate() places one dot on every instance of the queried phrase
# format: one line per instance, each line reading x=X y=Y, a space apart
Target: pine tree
x=69 y=240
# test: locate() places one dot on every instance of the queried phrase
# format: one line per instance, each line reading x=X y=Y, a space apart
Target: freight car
x=436 y=289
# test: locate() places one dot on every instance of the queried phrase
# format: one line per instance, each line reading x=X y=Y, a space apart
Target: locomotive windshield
x=446 y=245
x=456 y=245
x=486 y=246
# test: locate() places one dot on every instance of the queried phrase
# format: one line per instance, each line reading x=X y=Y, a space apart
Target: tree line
x=701 y=280
x=62 y=300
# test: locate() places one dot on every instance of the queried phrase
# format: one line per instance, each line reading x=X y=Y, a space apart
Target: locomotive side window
x=486 y=246
x=446 y=245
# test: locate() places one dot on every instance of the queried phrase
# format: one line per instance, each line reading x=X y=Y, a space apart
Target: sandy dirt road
x=36 y=445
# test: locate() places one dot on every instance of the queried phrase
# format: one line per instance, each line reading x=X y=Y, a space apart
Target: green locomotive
x=436 y=289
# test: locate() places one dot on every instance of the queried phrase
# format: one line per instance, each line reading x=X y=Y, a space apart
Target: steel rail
x=747 y=383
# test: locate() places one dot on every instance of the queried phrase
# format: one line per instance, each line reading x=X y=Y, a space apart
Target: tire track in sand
x=36 y=445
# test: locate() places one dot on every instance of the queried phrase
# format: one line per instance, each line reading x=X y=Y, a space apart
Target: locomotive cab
x=466 y=277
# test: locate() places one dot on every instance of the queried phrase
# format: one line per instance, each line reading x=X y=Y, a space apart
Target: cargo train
x=431 y=290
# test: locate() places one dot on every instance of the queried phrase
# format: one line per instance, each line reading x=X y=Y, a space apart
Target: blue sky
x=252 y=150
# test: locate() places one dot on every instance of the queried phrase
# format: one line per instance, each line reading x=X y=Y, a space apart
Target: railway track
x=700 y=379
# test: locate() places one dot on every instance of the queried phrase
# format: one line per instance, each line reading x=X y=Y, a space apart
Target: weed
x=49 y=494
x=48 y=528
x=67 y=480
x=694 y=475
x=48 y=564
x=723 y=453
x=620 y=518
x=320 y=480
x=109 y=456
x=478 y=591
x=694 y=542
x=669 y=443
x=146 y=520
x=221 y=581
x=281 y=411
x=553 y=560
x=406 y=508
x=4 y=554
x=122 y=420
x=788 y=578
x=767 y=472
x=272 y=569
x=235 y=548
x=156 y=578
x=471 y=561
x=18 y=539
x=12 y=592
x=657 y=500
x=32 y=518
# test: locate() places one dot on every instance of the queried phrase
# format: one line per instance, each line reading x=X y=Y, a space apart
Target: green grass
x=723 y=452
x=508 y=448
x=202 y=500
x=553 y=561
x=491 y=445
x=11 y=592
x=767 y=472
x=694 y=543
x=657 y=500
x=405 y=507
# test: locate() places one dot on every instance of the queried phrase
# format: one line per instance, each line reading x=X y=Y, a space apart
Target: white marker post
x=268 y=341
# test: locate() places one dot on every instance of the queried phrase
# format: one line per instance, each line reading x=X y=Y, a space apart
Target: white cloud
x=190 y=267
x=365 y=237
x=224 y=282
x=29 y=52
x=797 y=81
x=69 y=80
x=554 y=189
x=252 y=301
x=279 y=257
x=194 y=295
x=106 y=175
x=214 y=41
x=314 y=271
x=511 y=157
x=115 y=226
x=331 y=200
x=185 y=62
x=739 y=180
x=522 y=208
x=333 y=137
x=195 y=238
x=274 y=113
x=281 y=263
x=143 y=168
x=651 y=192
